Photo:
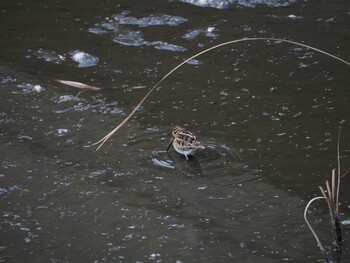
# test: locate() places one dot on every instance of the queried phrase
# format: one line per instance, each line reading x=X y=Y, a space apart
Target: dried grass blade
x=330 y=196
x=325 y=197
x=105 y=138
x=78 y=85
x=309 y=225
x=338 y=186
x=333 y=188
x=323 y=192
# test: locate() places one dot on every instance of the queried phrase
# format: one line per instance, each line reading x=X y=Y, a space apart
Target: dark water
x=268 y=113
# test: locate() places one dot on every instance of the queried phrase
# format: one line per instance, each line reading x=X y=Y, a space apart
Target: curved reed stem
x=102 y=141
x=309 y=225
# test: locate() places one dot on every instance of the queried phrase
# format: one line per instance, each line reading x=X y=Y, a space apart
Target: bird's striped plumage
x=184 y=142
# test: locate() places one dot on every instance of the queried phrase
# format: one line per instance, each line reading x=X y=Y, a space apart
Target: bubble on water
x=62 y=132
x=37 y=88
x=84 y=59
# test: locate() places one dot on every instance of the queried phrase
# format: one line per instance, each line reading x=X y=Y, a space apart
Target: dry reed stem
x=339 y=176
x=102 y=141
x=309 y=225
x=77 y=84
x=332 y=200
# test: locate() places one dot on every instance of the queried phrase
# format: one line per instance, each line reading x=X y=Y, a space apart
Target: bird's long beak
x=167 y=149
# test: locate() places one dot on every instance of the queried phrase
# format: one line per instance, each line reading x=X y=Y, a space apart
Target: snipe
x=184 y=142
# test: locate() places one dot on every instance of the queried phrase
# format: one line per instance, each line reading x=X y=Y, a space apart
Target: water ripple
x=216 y=160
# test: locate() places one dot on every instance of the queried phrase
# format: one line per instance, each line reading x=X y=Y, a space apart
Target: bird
x=184 y=142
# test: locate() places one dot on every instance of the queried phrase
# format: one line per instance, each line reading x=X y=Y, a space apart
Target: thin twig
x=344 y=174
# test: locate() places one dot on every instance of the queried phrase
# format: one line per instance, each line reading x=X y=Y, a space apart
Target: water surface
x=268 y=113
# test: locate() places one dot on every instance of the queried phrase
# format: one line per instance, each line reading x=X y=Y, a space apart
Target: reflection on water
x=268 y=114
x=84 y=59
x=130 y=37
x=190 y=169
x=224 y=4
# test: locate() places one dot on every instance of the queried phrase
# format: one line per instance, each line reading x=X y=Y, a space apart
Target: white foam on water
x=225 y=4
x=84 y=59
